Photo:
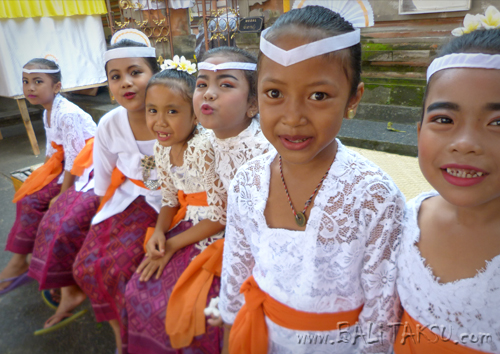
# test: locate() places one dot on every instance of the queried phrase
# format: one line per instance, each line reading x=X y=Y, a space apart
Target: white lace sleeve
x=216 y=193
x=73 y=138
x=104 y=160
x=381 y=217
x=168 y=190
x=238 y=261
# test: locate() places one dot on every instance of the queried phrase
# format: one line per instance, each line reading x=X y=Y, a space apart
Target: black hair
x=151 y=62
x=479 y=41
x=316 y=23
x=179 y=81
x=47 y=64
x=239 y=55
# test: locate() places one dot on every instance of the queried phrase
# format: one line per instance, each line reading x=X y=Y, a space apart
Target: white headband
x=129 y=52
x=464 y=60
x=227 y=66
x=43 y=71
x=309 y=50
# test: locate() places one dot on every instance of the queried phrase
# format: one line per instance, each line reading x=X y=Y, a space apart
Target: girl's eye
x=115 y=77
x=226 y=85
x=274 y=94
x=135 y=72
x=172 y=111
x=38 y=81
x=201 y=85
x=318 y=96
x=25 y=81
x=495 y=122
x=152 y=110
x=443 y=120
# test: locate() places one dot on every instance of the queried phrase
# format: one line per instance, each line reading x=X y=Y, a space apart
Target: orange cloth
x=42 y=175
x=249 y=332
x=117 y=179
x=185 y=309
x=419 y=339
x=194 y=199
x=84 y=159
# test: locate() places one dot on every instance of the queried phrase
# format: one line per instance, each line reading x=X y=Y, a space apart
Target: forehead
x=36 y=75
x=125 y=63
x=219 y=60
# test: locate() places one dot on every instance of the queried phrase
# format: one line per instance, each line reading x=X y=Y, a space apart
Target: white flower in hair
x=491 y=18
x=471 y=23
x=181 y=64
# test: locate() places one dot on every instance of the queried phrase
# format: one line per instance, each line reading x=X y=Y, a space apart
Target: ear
x=57 y=87
x=354 y=100
x=252 y=108
x=195 y=118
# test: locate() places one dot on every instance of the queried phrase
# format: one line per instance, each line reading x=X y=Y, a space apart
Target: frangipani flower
x=181 y=64
x=491 y=18
x=186 y=65
x=170 y=64
x=471 y=23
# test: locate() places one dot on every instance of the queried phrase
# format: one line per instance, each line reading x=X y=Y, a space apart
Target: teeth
x=161 y=135
x=298 y=141
x=456 y=172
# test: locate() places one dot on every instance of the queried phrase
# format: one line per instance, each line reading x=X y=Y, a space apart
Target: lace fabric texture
x=197 y=174
x=69 y=126
x=466 y=306
x=345 y=258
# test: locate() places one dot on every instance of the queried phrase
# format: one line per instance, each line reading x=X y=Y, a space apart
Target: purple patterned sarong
x=147 y=306
x=60 y=236
x=29 y=213
x=110 y=255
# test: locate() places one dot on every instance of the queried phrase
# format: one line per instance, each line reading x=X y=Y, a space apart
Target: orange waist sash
x=249 y=332
x=185 y=310
x=117 y=179
x=42 y=175
x=84 y=159
x=415 y=338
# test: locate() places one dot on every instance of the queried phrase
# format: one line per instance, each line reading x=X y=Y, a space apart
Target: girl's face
x=168 y=115
x=302 y=106
x=127 y=80
x=459 y=138
x=221 y=100
x=39 y=88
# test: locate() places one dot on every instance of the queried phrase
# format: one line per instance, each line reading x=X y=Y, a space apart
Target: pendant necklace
x=148 y=164
x=300 y=217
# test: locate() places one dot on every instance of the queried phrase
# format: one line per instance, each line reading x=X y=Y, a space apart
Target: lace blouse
x=466 y=306
x=69 y=126
x=345 y=258
x=197 y=174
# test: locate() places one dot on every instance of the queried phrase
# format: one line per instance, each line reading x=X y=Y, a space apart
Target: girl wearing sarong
x=125 y=178
x=312 y=228
x=67 y=128
x=449 y=263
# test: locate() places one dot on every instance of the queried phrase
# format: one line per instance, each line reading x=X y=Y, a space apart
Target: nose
x=293 y=114
x=127 y=81
x=210 y=94
x=467 y=141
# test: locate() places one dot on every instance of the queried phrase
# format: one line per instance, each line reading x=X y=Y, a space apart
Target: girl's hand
x=155 y=248
x=215 y=321
x=53 y=200
x=149 y=266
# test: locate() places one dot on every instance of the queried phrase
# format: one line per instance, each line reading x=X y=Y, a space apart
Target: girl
x=67 y=128
x=449 y=266
x=185 y=161
x=125 y=178
x=319 y=257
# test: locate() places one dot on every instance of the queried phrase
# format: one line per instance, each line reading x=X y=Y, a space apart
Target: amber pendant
x=300 y=219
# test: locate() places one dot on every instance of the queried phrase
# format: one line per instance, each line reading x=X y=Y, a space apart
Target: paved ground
x=22 y=311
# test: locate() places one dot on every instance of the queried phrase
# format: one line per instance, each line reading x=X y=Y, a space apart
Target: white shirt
x=115 y=146
x=345 y=258
x=466 y=306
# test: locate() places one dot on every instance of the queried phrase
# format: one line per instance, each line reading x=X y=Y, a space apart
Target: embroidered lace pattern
x=345 y=258
x=197 y=174
x=470 y=306
x=70 y=126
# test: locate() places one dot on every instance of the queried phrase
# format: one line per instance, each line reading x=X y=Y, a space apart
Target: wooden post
x=205 y=24
x=21 y=103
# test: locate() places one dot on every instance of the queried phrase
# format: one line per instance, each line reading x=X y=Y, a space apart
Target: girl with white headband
x=125 y=179
x=312 y=228
x=449 y=263
x=67 y=128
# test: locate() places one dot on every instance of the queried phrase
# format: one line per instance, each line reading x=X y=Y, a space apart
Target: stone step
x=388 y=113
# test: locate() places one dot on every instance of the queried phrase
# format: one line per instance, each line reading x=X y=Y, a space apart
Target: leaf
x=390 y=128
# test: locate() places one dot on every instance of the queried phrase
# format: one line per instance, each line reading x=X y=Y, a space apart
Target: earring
x=112 y=98
x=350 y=114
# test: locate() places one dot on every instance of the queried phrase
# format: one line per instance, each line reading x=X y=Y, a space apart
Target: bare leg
x=116 y=328
x=17 y=265
x=71 y=297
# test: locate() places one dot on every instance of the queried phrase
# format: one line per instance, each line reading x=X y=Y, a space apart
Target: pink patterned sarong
x=29 y=212
x=147 y=306
x=110 y=255
x=60 y=236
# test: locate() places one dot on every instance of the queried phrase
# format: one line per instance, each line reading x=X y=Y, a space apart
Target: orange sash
x=84 y=159
x=249 y=332
x=419 y=339
x=193 y=199
x=42 y=175
x=185 y=309
x=117 y=179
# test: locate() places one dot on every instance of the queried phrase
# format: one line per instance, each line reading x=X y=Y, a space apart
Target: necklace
x=148 y=164
x=300 y=217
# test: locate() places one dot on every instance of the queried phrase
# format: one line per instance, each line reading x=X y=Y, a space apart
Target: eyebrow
x=493 y=106
x=222 y=76
x=443 y=105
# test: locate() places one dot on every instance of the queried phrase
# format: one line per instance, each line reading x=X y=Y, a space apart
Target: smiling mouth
x=463 y=173
x=129 y=95
x=163 y=135
x=296 y=141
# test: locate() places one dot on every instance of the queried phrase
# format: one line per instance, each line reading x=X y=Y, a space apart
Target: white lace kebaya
x=69 y=126
x=345 y=258
x=466 y=306
x=197 y=174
